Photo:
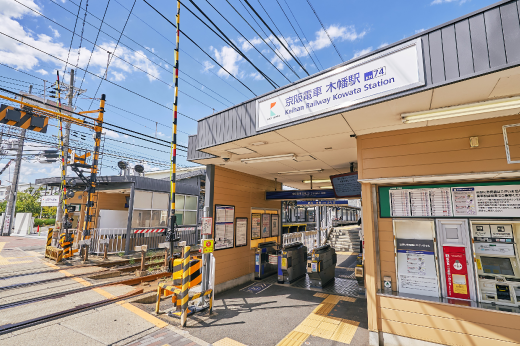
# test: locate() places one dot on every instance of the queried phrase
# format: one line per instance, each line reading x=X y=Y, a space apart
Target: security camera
x=226 y=157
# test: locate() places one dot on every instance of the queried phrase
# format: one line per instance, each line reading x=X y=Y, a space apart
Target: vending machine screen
x=497 y=265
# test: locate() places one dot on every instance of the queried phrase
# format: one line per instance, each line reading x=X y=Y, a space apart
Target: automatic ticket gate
x=321 y=265
x=266 y=259
x=292 y=263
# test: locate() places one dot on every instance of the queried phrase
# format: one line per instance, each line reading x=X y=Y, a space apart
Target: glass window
x=190 y=218
x=179 y=218
x=160 y=201
x=142 y=200
x=179 y=202
x=159 y=218
x=191 y=203
x=141 y=218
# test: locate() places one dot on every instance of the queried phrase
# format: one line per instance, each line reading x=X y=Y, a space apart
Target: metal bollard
x=184 y=296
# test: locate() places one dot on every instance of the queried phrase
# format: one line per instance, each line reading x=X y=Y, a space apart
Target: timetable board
x=456 y=200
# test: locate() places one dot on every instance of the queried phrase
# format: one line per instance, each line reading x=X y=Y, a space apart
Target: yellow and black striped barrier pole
x=184 y=297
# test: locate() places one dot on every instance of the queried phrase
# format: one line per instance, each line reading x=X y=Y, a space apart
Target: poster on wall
x=275 y=225
x=266 y=225
x=416 y=269
x=241 y=231
x=224 y=227
x=256 y=227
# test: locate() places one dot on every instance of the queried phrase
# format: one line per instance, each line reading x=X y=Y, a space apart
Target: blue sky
x=356 y=27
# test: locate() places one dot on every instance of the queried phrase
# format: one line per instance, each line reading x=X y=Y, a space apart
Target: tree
x=49 y=212
x=3 y=206
x=28 y=201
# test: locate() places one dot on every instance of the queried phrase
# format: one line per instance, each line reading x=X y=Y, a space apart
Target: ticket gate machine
x=321 y=265
x=266 y=259
x=292 y=263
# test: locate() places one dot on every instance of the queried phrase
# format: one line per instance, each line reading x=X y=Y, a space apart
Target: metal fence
x=309 y=239
x=117 y=239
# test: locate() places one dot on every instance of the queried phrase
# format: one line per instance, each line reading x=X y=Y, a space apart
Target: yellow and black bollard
x=184 y=297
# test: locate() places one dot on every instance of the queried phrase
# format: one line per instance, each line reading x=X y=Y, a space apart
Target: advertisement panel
x=456 y=269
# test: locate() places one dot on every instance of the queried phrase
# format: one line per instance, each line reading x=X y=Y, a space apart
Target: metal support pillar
x=129 y=223
x=208 y=212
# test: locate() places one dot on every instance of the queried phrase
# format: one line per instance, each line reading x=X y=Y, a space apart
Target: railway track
x=9 y=328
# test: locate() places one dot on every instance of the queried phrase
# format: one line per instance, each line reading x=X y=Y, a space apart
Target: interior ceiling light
x=305 y=171
x=326 y=187
x=317 y=181
x=457 y=111
x=269 y=158
x=258 y=143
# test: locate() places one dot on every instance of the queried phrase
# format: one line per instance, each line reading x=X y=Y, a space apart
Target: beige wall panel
x=495 y=318
x=442 y=337
x=112 y=201
x=244 y=191
x=471 y=328
x=386 y=237
x=387 y=256
x=438 y=169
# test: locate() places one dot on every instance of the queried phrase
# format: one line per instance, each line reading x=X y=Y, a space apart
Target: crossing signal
x=22 y=118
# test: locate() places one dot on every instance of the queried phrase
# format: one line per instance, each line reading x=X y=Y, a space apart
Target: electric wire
x=296 y=58
x=93 y=74
x=227 y=40
x=71 y=40
x=182 y=50
x=109 y=104
x=304 y=46
x=272 y=32
x=316 y=14
x=216 y=62
x=104 y=122
x=82 y=32
x=269 y=61
x=95 y=42
x=303 y=32
x=115 y=49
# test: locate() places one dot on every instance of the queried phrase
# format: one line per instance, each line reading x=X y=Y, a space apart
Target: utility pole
x=66 y=136
x=11 y=202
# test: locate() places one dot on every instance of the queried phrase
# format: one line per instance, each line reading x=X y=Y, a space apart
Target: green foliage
x=27 y=201
x=3 y=206
x=132 y=261
x=49 y=222
x=38 y=222
x=121 y=254
x=49 y=212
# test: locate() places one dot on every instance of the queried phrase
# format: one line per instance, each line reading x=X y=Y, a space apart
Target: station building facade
x=432 y=125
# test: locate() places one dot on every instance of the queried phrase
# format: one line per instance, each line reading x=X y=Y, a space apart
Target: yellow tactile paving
x=293 y=339
x=319 y=324
x=227 y=342
x=321 y=295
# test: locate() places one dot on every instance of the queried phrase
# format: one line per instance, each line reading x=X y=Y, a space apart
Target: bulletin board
x=241 y=231
x=224 y=227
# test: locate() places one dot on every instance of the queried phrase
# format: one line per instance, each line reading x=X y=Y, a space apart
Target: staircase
x=345 y=239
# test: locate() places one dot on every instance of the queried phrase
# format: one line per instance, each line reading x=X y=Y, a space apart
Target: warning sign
x=207 y=245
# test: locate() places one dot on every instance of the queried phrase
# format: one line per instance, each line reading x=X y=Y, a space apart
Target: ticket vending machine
x=457 y=275
x=496 y=261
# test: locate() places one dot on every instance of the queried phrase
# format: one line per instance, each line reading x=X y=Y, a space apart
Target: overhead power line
x=110 y=57
x=267 y=37
x=323 y=26
x=182 y=50
x=272 y=32
x=93 y=74
x=228 y=41
x=269 y=61
x=71 y=40
x=216 y=62
x=296 y=32
x=106 y=103
x=303 y=32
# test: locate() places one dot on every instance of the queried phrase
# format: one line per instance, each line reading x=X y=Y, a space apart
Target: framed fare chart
x=224 y=226
x=275 y=225
x=241 y=231
x=256 y=220
x=266 y=225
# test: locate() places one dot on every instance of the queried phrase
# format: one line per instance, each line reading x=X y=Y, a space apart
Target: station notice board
x=224 y=226
x=491 y=199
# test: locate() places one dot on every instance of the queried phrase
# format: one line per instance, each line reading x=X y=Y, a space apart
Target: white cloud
x=207 y=66
x=246 y=46
x=256 y=76
x=24 y=57
x=160 y=134
x=110 y=133
x=42 y=72
x=420 y=30
x=229 y=59
x=339 y=33
x=437 y=2
x=55 y=32
x=117 y=76
x=362 y=52
x=383 y=45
